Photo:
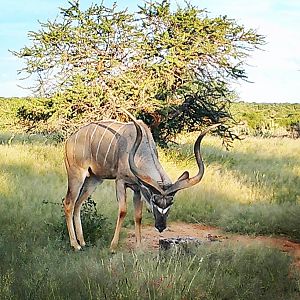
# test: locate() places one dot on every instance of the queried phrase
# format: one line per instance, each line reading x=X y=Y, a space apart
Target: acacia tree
x=172 y=68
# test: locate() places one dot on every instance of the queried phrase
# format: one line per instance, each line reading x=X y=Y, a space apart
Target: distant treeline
x=267 y=119
x=261 y=119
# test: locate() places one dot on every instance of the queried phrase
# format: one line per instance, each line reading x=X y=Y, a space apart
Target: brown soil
x=151 y=238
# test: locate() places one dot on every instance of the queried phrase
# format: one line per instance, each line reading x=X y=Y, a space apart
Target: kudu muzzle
x=160 y=216
x=160 y=222
x=159 y=206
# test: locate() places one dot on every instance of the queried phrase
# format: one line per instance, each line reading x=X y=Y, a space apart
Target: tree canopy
x=171 y=67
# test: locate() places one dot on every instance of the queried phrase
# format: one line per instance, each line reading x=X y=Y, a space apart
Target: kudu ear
x=183 y=176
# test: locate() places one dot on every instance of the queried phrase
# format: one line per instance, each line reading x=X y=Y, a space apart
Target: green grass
x=243 y=190
x=210 y=272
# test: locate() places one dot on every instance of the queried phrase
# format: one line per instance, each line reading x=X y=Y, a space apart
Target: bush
x=96 y=228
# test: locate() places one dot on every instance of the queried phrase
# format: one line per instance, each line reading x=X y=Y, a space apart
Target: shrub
x=95 y=226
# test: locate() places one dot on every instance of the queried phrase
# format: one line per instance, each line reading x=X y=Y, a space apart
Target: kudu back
x=127 y=153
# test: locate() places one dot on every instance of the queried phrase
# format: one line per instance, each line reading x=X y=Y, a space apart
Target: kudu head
x=159 y=196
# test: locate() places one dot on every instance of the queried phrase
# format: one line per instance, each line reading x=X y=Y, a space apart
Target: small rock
x=179 y=243
x=212 y=238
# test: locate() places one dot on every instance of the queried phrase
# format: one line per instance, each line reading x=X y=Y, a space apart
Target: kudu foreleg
x=121 y=196
x=138 y=211
x=74 y=187
x=87 y=189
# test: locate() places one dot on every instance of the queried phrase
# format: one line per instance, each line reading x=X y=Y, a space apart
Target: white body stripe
x=92 y=139
x=102 y=139
x=83 y=151
x=111 y=143
x=74 y=152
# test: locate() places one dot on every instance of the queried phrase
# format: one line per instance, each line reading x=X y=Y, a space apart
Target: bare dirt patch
x=151 y=238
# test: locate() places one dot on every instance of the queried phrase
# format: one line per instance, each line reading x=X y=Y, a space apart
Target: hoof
x=113 y=247
x=112 y=250
x=82 y=244
x=76 y=248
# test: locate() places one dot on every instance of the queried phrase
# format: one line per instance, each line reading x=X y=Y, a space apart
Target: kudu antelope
x=127 y=153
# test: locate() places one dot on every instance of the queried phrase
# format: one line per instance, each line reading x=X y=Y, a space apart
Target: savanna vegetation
x=244 y=190
x=267 y=119
x=252 y=119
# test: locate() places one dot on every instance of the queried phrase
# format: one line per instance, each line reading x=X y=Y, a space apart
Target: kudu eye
x=169 y=199
x=156 y=198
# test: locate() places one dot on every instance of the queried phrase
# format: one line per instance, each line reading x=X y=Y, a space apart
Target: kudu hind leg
x=138 y=211
x=121 y=196
x=74 y=187
x=87 y=189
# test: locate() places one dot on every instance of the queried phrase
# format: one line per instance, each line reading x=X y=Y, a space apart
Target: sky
x=274 y=72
